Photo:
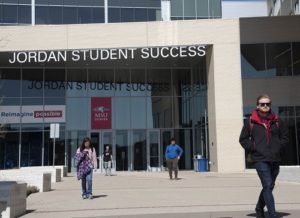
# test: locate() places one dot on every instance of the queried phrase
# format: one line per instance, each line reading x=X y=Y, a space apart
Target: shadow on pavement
x=280 y=214
x=99 y=196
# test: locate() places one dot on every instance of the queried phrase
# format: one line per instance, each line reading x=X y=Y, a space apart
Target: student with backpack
x=264 y=135
x=86 y=161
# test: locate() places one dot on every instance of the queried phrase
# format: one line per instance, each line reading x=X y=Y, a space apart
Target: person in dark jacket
x=264 y=135
x=173 y=153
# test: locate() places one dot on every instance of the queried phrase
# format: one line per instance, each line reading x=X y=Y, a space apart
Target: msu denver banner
x=32 y=114
x=101 y=113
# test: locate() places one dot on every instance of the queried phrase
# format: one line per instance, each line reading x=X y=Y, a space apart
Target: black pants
x=173 y=166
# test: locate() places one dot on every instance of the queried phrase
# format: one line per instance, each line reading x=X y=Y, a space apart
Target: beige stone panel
x=115 y=35
x=282 y=90
x=193 y=32
x=227 y=105
x=21 y=38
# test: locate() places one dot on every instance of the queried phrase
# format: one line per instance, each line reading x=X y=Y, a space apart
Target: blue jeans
x=267 y=172
x=86 y=181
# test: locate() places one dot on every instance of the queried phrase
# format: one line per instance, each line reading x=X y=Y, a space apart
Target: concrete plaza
x=151 y=195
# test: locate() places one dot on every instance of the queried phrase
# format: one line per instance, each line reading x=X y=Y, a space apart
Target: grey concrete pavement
x=149 y=195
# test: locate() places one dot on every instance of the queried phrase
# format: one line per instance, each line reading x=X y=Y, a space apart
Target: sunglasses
x=264 y=104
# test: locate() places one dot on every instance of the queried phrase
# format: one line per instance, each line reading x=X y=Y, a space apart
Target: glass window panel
x=10 y=83
x=1 y=14
x=135 y=3
x=140 y=14
x=24 y=14
x=70 y=2
x=56 y=2
x=55 y=101
x=9 y=147
x=298 y=111
x=189 y=8
x=159 y=112
x=200 y=112
x=200 y=79
x=41 y=2
x=138 y=86
x=159 y=82
x=183 y=112
x=114 y=15
x=31 y=149
x=296 y=58
x=138 y=113
x=253 y=61
x=41 y=14
x=10 y=13
x=121 y=113
x=98 y=15
x=84 y=15
x=177 y=8
x=286 y=111
x=11 y=1
x=215 y=8
x=70 y=15
x=32 y=83
x=55 y=15
x=152 y=15
x=90 y=2
x=76 y=83
x=77 y=113
x=202 y=8
x=184 y=140
x=28 y=2
x=122 y=80
x=101 y=82
x=7 y=122
x=54 y=84
x=127 y=14
x=182 y=82
x=279 y=58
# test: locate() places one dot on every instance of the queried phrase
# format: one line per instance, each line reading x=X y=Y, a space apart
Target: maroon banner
x=101 y=113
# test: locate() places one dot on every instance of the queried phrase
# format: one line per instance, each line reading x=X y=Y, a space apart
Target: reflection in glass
x=101 y=82
x=31 y=149
x=253 y=61
x=55 y=85
x=9 y=150
x=10 y=83
x=77 y=113
x=122 y=82
x=182 y=82
x=296 y=58
x=159 y=112
x=121 y=113
x=32 y=83
x=159 y=82
x=76 y=83
x=278 y=58
x=138 y=113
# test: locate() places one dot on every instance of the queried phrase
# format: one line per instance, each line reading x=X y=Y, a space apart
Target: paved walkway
x=153 y=195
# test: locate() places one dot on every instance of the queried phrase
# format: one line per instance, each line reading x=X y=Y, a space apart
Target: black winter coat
x=264 y=145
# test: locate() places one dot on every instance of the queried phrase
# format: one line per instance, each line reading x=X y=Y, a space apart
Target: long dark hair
x=86 y=139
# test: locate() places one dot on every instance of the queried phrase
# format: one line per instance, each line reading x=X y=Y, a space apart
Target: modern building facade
x=134 y=85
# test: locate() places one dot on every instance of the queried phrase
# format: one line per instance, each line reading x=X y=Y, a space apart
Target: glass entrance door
x=122 y=150
x=107 y=139
x=153 y=150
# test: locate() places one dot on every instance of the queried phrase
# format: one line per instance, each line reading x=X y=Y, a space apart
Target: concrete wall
x=224 y=66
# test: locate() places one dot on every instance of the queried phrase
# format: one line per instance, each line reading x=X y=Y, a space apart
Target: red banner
x=101 y=113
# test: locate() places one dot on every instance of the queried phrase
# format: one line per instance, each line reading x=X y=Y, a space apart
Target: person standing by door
x=264 y=135
x=173 y=154
x=107 y=160
x=86 y=162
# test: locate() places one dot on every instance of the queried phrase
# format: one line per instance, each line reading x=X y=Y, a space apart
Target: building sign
x=22 y=57
x=101 y=113
x=32 y=114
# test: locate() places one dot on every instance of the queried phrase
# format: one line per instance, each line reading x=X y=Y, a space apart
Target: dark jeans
x=86 y=183
x=173 y=166
x=267 y=172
